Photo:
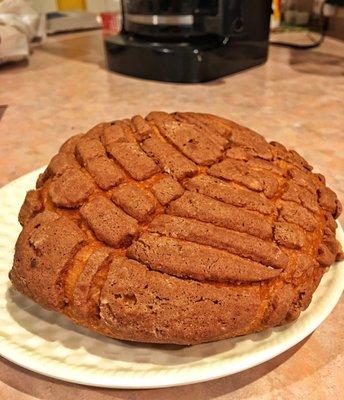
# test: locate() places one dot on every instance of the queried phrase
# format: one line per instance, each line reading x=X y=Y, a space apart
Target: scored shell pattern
x=176 y=228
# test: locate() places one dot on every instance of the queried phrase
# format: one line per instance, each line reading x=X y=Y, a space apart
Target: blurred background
x=24 y=23
x=291 y=12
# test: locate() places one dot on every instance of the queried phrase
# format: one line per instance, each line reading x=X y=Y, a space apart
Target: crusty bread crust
x=175 y=228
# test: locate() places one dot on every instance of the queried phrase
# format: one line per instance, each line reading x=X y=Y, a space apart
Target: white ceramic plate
x=50 y=344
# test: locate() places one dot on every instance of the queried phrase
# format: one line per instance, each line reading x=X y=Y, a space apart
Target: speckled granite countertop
x=295 y=98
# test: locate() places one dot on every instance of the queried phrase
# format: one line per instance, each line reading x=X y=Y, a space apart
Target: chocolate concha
x=175 y=228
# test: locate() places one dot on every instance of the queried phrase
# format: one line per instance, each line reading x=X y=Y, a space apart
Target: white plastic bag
x=19 y=23
x=14 y=45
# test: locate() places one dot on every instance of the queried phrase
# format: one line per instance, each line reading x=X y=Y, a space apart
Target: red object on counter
x=110 y=21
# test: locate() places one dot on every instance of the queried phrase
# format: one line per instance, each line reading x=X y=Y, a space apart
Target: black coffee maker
x=189 y=40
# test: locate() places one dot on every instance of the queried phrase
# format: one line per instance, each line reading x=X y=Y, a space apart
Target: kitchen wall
x=44 y=5
x=92 y=5
x=103 y=5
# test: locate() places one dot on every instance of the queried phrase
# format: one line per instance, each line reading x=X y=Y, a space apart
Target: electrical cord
x=312 y=45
